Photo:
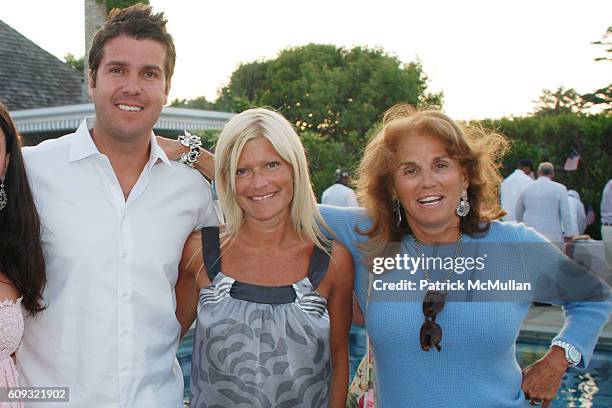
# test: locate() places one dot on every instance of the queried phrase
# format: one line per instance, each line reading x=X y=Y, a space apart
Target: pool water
x=591 y=388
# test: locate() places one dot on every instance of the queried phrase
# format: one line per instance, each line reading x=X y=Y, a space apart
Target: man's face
x=130 y=88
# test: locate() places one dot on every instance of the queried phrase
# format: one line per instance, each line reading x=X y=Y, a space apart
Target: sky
x=490 y=58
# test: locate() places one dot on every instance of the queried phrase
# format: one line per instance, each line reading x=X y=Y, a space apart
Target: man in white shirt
x=577 y=213
x=512 y=185
x=544 y=206
x=339 y=194
x=115 y=214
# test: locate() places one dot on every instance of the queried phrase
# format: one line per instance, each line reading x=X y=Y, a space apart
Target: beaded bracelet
x=194 y=143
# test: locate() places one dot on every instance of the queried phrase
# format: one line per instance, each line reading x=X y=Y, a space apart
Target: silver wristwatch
x=572 y=355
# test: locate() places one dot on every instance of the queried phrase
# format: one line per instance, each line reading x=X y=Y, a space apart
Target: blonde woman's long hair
x=252 y=124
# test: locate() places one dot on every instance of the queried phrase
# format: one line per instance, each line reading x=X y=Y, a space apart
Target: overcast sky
x=490 y=58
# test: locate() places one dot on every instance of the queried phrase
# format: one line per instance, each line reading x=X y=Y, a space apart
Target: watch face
x=574 y=355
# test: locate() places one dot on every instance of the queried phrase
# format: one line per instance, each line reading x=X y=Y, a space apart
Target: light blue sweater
x=477 y=366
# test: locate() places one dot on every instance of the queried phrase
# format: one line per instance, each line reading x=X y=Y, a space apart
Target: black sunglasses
x=431 y=332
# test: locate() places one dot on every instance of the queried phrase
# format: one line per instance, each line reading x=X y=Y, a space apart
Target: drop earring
x=463 y=208
x=397 y=210
x=3 y=197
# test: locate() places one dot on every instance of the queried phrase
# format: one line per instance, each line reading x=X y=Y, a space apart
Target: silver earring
x=397 y=210
x=463 y=208
x=3 y=197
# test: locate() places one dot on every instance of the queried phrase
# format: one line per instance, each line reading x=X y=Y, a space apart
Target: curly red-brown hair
x=478 y=150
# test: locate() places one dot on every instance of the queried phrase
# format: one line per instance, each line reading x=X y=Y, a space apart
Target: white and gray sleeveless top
x=260 y=346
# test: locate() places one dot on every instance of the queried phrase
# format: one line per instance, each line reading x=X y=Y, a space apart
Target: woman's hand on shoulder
x=172 y=147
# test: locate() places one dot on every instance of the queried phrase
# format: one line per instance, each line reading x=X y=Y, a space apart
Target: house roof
x=30 y=77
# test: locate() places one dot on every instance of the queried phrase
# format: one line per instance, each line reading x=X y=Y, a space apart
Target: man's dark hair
x=525 y=163
x=341 y=176
x=139 y=22
x=21 y=255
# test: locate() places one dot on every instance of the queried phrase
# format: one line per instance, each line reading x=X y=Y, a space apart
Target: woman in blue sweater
x=443 y=333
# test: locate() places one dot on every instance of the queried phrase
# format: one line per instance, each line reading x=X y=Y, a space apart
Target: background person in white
x=577 y=213
x=339 y=194
x=512 y=185
x=544 y=206
x=115 y=213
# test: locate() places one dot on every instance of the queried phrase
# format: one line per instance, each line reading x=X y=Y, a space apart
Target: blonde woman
x=273 y=294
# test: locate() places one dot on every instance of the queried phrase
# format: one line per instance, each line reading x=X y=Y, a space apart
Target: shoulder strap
x=211 y=248
x=319 y=262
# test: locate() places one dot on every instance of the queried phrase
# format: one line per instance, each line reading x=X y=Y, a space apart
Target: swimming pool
x=591 y=388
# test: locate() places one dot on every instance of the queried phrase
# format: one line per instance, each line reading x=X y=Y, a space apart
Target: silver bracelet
x=194 y=143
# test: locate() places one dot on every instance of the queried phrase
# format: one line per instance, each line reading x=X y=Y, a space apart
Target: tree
x=197 y=103
x=560 y=101
x=76 y=63
x=328 y=90
x=557 y=102
x=600 y=99
x=606 y=42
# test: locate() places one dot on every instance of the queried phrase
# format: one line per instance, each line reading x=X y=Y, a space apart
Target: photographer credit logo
x=445 y=265
x=411 y=264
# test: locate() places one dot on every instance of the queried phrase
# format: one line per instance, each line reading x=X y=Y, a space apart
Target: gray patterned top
x=260 y=346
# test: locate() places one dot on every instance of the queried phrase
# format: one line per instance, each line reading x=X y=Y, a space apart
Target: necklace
x=417 y=246
x=431 y=333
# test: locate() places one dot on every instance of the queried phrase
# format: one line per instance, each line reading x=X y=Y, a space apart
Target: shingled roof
x=30 y=77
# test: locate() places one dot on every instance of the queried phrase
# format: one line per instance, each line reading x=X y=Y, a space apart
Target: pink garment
x=11 y=330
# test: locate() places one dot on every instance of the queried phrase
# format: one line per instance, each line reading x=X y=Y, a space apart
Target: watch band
x=572 y=355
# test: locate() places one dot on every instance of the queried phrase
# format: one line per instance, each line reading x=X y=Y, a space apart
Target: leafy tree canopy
x=325 y=89
x=561 y=101
x=606 y=42
x=76 y=63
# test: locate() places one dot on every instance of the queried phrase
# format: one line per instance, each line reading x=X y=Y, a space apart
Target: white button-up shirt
x=340 y=196
x=544 y=206
x=110 y=333
x=511 y=188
